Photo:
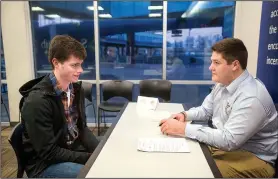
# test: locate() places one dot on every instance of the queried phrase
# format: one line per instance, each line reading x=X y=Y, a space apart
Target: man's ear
x=55 y=62
x=236 y=65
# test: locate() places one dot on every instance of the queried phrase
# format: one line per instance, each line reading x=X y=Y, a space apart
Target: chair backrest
x=117 y=88
x=15 y=140
x=156 y=88
x=87 y=90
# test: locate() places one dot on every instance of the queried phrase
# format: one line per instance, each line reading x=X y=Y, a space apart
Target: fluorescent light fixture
x=159 y=33
x=52 y=15
x=193 y=9
x=36 y=8
x=197 y=7
x=184 y=15
x=155 y=7
x=105 y=15
x=155 y=15
x=92 y=8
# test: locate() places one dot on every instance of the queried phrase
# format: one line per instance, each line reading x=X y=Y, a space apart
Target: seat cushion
x=111 y=106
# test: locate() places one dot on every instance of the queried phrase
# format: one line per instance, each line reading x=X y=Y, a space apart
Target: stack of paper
x=178 y=145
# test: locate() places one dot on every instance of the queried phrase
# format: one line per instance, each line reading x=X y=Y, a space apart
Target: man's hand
x=172 y=127
x=179 y=116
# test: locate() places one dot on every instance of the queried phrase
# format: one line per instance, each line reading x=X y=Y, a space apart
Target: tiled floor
x=8 y=158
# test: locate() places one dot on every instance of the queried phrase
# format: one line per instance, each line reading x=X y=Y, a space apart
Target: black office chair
x=88 y=95
x=15 y=140
x=156 y=88
x=110 y=89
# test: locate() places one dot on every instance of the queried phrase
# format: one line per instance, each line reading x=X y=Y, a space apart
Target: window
x=3 y=66
x=75 y=19
x=72 y=18
x=4 y=89
x=193 y=27
x=4 y=104
x=130 y=40
x=190 y=95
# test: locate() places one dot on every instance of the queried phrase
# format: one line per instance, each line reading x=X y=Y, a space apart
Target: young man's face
x=70 y=70
x=221 y=71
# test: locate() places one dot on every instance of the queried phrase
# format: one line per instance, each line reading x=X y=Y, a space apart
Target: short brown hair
x=63 y=46
x=232 y=49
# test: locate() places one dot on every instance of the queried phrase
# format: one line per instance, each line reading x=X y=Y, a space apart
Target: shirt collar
x=234 y=85
x=55 y=85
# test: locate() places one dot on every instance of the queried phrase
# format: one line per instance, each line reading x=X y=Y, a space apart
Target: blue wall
x=267 y=70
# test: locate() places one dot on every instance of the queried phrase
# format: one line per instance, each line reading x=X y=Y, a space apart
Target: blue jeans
x=62 y=170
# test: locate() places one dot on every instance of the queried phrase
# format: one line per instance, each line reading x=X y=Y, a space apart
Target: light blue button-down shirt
x=244 y=117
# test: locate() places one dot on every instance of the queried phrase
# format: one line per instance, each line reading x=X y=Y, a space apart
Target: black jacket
x=45 y=127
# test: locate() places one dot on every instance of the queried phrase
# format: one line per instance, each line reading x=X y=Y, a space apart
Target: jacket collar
x=55 y=84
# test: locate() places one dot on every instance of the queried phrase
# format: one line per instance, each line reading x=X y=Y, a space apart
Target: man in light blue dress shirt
x=244 y=137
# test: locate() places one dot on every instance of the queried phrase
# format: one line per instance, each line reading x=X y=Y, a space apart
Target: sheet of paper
x=147 y=103
x=172 y=145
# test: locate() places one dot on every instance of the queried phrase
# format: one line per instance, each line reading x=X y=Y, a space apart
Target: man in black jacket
x=56 y=139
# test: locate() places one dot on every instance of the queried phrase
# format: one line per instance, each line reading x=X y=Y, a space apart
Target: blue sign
x=267 y=70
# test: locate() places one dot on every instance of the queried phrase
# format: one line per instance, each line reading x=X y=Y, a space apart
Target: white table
x=117 y=155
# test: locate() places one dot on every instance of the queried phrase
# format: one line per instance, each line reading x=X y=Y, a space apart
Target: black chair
x=88 y=95
x=156 y=88
x=110 y=89
x=15 y=140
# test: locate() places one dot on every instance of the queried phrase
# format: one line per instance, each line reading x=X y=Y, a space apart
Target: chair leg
x=104 y=121
x=95 y=113
x=2 y=102
x=7 y=112
x=98 y=122
x=20 y=171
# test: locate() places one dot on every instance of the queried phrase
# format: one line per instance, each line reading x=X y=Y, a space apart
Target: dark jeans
x=62 y=170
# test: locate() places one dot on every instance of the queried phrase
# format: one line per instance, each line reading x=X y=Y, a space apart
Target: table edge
x=84 y=171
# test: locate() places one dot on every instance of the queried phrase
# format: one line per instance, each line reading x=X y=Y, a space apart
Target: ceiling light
x=155 y=7
x=92 y=8
x=184 y=15
x=36 y=8
x=105 y=15
x=52 y=15
x=155 y=15
x=193 y=9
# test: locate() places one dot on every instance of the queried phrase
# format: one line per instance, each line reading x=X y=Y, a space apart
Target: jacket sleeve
x=38 y=122
x=88 y=139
